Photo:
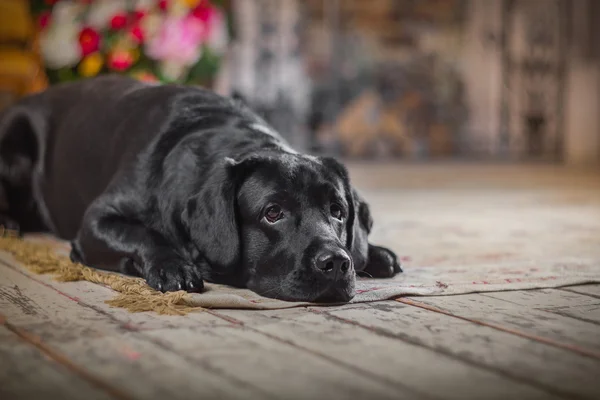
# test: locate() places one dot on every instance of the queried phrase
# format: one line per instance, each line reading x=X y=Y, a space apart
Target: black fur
x=172 y=183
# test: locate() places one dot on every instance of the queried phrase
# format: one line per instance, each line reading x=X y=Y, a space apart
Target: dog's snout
x=335 y=263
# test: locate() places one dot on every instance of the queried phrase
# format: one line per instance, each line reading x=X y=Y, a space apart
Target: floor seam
x=568 y=289
x=335 y=361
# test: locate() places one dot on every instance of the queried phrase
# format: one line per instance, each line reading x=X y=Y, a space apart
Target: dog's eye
x=273 y=214
x=336 y=211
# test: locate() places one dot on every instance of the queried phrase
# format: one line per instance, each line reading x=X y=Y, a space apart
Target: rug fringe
x=134 y=294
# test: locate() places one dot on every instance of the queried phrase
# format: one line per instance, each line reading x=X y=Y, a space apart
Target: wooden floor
x=541 y=344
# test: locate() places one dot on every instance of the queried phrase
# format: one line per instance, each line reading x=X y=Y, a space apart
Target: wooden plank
x=562 y=331
x=281 y=370
x=147 y=371
x=553 y=369
x=544 y=298
x=404 y=364
x=590 y=290
x=25 y=373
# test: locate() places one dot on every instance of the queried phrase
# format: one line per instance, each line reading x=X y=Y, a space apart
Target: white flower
x=218 y=38
x=151 y=24
x=60 y=45
x=144 y=4
x=177 y=9
x=66 y=12
x=172 y=70
x=101 y=12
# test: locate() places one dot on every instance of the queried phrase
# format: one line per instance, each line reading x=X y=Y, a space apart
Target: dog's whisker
x=273 y=289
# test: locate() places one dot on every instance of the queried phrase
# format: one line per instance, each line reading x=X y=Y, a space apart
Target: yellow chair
x=21 y=66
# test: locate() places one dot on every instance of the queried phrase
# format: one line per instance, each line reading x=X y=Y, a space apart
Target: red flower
x=203 y=11
x=44 y=19
x=118 y=21
x=137 y=34
x=138 y=15
x=89 y=40
x=162 y=4
x=120 y=60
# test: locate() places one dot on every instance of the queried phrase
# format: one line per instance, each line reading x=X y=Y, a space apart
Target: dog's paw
x=76 y=255
x=173 y=275
x=382 y=263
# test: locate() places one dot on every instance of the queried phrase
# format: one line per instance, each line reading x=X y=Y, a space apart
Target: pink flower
x=179 y=40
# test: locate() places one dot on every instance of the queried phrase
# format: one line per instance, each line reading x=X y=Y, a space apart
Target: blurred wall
x=582 y=144
x=482 y=61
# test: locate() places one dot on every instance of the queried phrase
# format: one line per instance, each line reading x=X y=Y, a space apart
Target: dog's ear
x=364 y=218
x=362 y=227
x=359 y=222
x=340 y=170
x=211 y=215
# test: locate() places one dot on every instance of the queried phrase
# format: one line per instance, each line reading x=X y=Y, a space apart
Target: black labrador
x=179 y=185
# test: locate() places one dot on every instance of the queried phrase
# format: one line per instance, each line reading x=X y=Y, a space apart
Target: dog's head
x=290 y=221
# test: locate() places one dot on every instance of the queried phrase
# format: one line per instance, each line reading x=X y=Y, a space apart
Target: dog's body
x=179 y=185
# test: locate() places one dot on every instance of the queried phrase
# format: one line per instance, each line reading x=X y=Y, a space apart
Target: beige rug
x=429 y=281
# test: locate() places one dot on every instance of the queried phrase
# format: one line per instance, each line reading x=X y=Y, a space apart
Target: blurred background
x=426 y=80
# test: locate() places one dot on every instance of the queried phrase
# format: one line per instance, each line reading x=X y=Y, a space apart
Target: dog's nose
x=334 y=263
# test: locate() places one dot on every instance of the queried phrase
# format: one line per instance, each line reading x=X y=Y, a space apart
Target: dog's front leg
x=109 y=239
x=382 y=263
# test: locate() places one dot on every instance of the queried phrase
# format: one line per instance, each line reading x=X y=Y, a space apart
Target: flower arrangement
x=178 y=41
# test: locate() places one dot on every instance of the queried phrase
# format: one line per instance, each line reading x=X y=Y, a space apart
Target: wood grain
x=570 y=304
x=590 y=313
x=281 y=370
x=26 y=373
x=559 y=330
x=544 y=298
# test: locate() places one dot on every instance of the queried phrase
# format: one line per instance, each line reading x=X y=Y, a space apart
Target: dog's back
x=59 y=149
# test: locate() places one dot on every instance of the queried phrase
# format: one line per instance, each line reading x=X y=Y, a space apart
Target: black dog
x=179 y=185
